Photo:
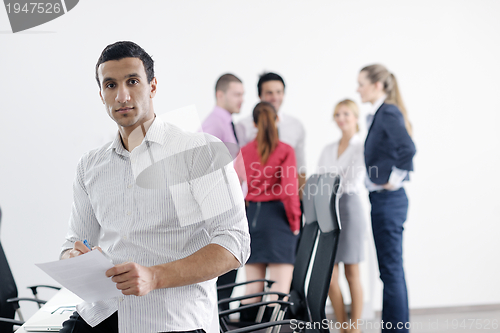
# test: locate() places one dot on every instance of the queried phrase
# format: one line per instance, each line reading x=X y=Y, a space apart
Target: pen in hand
x=78 y=249
x=87 y=244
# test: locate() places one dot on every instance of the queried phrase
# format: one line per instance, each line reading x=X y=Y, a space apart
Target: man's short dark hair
x=120 y=50
x=224 y=81
x=268 y=77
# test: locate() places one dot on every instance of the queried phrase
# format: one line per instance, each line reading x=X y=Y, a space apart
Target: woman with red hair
x=273 y=206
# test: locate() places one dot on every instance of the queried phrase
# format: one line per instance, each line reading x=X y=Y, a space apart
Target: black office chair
x=310 y=307
x=327 y=209
x=9 y=302
x=7 y=290
x=304 y=252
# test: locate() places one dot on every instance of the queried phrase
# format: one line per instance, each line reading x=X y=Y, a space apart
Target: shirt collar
x=222 y=113
x=155 y=133
x=117 y=144
x=377 y=104
x=355 y=138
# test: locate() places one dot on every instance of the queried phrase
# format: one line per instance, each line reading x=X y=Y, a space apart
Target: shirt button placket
x=129 y=203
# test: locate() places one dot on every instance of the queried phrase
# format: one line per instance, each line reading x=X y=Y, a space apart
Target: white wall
x=445 y=55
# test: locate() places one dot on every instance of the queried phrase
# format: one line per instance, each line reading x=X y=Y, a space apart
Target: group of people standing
x=272 y=144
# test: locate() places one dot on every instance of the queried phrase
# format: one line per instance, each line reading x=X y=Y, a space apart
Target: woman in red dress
x=273 y=204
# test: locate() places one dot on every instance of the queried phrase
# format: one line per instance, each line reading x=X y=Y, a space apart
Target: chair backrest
x=305 y=248
x=326 y=205
x=8 y=289
x=310 y=191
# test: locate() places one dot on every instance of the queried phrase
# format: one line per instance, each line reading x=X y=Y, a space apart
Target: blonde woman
x=345 y=157
x=389 y=152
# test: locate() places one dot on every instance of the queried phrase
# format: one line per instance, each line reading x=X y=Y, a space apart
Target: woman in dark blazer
x=389 y=152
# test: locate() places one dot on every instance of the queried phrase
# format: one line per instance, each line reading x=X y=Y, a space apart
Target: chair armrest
x=34 y=288
x=17 y=299
x=232 y=285
x=265 y=325
x=284 y=305
x=229 y=300
x=12 y=321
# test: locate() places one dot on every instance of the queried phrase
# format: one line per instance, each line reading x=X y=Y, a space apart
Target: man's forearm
x=207 y=263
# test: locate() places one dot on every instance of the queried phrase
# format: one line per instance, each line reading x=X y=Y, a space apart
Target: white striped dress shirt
x=165 y=200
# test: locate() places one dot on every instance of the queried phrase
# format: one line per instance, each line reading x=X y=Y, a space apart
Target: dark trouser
x=389 y=210
x=228 y=278
x=76 y=324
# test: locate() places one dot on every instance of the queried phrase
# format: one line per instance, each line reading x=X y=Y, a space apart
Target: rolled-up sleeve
x=216 y=188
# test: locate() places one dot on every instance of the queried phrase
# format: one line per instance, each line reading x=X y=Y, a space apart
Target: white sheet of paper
x=84 y=275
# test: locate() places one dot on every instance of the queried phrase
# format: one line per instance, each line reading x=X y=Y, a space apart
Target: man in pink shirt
x=229 y=97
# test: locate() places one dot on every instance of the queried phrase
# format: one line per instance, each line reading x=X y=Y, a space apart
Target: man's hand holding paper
x=132 y=278
x=84 y=274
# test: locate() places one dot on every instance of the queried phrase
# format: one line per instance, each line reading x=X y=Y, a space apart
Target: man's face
x=273 y=92
x=233 y=97
x=126 y=93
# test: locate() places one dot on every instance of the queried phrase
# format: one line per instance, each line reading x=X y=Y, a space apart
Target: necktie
x=234 y=131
